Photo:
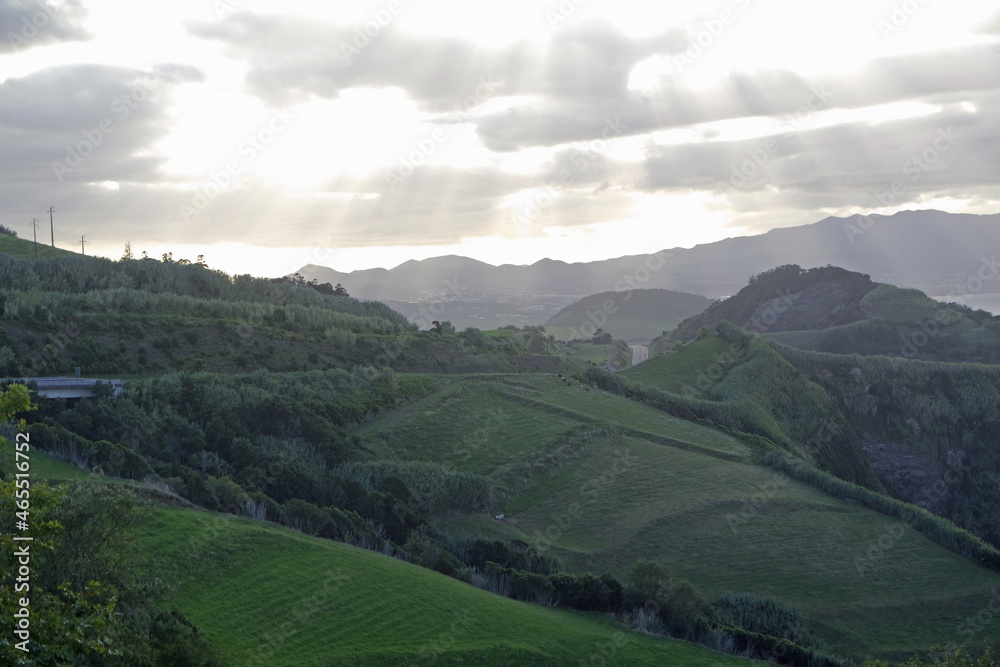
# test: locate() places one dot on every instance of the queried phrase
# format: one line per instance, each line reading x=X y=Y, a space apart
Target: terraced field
x=641 y=484
x=264 y=595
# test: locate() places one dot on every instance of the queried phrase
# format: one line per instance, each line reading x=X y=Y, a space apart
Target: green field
x=19 y=247
x=690 y=367
x=265 y=595
x=661 y=488
x=485 y=424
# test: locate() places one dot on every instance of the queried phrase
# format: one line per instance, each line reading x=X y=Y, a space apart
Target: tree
x=339 y=290
x=958 y=658
x=127 y=253
x=13 y=401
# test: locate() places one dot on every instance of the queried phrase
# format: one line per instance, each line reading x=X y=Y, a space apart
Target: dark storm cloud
x=25 y=24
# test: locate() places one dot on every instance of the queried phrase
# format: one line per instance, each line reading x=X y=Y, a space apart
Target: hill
x=233 y=577
x=136 y=318
x=262 y=594
x=16 y=247
x=635 y=316
x=936 y=252
x=829 y=309
x=663 y=488
x=731 y=474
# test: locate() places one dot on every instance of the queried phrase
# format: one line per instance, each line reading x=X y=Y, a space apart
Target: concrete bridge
x=67 y=387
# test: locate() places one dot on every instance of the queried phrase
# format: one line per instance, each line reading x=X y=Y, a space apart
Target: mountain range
x=939 y=253
x=929 y=250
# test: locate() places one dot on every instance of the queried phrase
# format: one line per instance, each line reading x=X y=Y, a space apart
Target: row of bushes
x=654 y=601
x=935 y=528
x=43 y=306
x=764 y=397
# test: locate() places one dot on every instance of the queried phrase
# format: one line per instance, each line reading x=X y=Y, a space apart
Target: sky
x=267 y=135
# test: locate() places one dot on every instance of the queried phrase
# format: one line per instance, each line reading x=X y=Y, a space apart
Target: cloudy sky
x=271 y=134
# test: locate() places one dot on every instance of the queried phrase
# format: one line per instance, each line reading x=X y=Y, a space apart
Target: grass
x=468 y=424
x=264 y=595
x=618 y=498
x=483 y=424
x=49 y=468
x=598 y=353
x=692 y=367
x=18 y=247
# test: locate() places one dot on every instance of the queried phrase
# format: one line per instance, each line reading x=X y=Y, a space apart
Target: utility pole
x=83 y=249
x=52 y=227
x=34 y=230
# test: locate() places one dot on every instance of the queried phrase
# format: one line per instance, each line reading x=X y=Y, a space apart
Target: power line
x=34 y=230
x=83 y=249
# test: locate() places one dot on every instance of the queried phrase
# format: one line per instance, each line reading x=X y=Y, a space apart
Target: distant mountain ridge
x=930 y=250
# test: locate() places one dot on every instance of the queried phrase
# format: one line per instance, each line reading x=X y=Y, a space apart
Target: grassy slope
x=265 y=595
x=676 y=505
x=18 y=247
x=680 y=369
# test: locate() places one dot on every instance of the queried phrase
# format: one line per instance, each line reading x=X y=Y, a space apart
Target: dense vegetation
x=82 y=601
x=137 y=318
x=945 y=413
x=829 y=309
x=313 y=418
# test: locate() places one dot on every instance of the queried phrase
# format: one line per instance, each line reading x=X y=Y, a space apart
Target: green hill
x=736 y=463
x=139 y=318
x=265 y=595
x=635 y=316
x=16 y=247
x=262 y=595
x=829 y=309
x=663 y=488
